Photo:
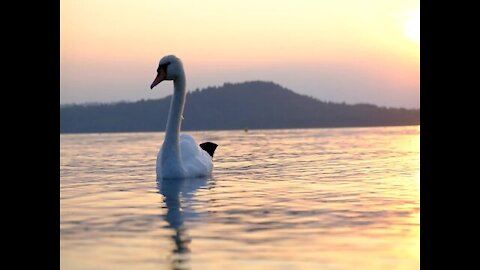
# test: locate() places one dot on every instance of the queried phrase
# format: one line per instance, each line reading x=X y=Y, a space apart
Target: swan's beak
x=160 y=77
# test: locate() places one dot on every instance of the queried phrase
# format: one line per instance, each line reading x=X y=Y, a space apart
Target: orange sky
x=344 y=50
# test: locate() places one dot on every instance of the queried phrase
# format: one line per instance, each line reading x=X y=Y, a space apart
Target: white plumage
x=180 y=156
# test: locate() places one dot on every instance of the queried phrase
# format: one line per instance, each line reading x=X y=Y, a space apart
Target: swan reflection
x=178 y=197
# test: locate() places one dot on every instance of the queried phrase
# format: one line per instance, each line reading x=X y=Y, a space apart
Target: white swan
x=180 y=156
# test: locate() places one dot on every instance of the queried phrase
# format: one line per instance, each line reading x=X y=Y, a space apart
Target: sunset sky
x=343 y=51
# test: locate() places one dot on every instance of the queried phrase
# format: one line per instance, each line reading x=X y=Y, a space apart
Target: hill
x=253 y=105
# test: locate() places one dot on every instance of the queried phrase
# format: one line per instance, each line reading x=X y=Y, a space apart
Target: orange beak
x=160 y=77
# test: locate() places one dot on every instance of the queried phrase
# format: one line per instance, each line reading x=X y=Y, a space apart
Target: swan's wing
x=188 y=146
x=196 y=161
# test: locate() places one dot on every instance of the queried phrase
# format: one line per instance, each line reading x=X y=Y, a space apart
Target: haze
x=342 y=51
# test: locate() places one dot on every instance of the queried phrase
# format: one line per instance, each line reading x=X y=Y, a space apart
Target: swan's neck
x=171 y=147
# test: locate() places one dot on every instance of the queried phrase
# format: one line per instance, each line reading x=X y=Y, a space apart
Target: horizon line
x=113 y=102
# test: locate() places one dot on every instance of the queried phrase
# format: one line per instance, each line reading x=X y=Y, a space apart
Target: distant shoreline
x=241 y=130
x=253 y=105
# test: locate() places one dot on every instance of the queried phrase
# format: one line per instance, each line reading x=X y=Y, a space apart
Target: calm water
x=345 y=198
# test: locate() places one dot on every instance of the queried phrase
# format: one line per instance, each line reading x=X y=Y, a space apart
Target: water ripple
x=344 y=198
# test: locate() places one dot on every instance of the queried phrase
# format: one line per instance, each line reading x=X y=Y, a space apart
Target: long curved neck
x=172 y=133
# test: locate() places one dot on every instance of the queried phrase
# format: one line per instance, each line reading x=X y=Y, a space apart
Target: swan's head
x=169 y=68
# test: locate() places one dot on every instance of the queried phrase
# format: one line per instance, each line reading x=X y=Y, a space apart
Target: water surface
x=342 y=198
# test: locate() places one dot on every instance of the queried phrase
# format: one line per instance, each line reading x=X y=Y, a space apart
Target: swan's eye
x=163 y=66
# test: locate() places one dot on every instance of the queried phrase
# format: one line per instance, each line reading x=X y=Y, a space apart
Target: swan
x=180 y=156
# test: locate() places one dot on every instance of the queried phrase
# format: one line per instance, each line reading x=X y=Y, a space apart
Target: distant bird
x=180 y=156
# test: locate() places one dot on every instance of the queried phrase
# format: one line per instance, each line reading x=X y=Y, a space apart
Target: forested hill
x=252 y=105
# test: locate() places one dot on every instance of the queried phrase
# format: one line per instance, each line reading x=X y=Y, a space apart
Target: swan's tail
x=209 y=147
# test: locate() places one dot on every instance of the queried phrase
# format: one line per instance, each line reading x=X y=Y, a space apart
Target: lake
x=336 y=198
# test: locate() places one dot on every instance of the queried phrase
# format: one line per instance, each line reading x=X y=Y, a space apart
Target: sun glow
x=109 y=48
x=412 y=25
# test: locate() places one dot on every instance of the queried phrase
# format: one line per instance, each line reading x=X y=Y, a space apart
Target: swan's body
x=194 y=161
x=180 y=156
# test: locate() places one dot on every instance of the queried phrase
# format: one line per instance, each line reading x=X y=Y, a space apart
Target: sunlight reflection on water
x=344 y=198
